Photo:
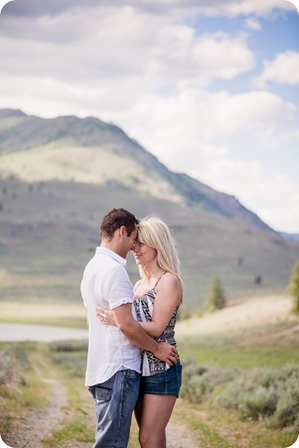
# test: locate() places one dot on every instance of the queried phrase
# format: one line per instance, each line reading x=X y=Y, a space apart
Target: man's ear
x=122 y=231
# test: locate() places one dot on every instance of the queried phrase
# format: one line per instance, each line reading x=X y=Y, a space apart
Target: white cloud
x=108 y=71
x=275 y=199
x=201 y=116
x=144 y=66
x=283 y=211
x=253 y=109
x=234 y=8
x=283 y=69
x=253 y=24
x=223 y=57
x=231 y=8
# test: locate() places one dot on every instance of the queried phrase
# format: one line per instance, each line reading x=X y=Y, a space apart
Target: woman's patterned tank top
x=144 y=309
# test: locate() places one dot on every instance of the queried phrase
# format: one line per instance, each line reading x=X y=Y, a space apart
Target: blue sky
x=208 y=86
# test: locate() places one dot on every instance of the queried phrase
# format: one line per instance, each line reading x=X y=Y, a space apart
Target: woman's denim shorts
x=164 y=383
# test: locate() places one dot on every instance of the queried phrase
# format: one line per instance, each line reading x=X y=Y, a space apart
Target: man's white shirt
x=106 y=282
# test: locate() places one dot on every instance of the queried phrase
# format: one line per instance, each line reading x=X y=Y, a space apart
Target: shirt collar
x=111 y=253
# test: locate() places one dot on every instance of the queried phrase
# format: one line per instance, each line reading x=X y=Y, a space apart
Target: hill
x=58 y=176
x=91 y=151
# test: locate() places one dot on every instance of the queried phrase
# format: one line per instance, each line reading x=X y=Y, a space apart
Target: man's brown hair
x=116 y=218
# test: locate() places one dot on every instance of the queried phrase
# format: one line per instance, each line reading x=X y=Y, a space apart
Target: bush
x=216 y=297
x=287 y=412
x=271 y=394
x=199 y=381
x=70 y=355
x=293 y=287
x=257 y=404
x=13 y=361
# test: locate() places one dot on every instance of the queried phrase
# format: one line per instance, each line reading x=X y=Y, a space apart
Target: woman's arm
x=168 y=297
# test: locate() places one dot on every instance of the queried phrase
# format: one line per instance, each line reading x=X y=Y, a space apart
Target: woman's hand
x=105 y=316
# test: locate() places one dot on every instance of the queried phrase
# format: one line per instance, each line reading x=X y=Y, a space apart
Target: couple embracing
x=132 y=362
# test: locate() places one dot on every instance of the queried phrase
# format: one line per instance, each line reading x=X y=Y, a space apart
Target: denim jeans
x=115 y=401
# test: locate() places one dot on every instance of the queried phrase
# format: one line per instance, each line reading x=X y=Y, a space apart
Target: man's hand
x=167 y=353
x=105 y=316
x=133 y=331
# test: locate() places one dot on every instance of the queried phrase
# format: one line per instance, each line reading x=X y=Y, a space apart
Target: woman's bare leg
x=155 y=414
x=138 y=410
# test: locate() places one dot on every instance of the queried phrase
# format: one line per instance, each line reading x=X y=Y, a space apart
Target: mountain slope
x=59 y=176
x=89 y=150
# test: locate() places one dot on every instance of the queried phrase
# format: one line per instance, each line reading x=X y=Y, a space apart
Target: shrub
x=13 y=361
x=271 y=394
x=293 y=287
x=257 y=404
x=200 y=381
x=287 y=412
x=216 y=297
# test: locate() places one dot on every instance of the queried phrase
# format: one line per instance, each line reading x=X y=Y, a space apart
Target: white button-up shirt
x=106 y=282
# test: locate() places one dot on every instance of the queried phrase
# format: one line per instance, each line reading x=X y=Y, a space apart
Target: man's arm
x=137 y=335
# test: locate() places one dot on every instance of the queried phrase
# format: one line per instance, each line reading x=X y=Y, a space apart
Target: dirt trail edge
x=37 y=425
x=177 y=437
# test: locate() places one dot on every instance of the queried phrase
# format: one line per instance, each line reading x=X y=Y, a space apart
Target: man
x=113 y=361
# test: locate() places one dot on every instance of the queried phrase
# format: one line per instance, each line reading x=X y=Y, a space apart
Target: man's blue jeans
x=114 y=402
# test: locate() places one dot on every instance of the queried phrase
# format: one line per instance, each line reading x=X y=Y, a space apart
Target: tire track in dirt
x=39 y=424
x=178 y=437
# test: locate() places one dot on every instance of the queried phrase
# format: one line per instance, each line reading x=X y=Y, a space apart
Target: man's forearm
x=138 y=336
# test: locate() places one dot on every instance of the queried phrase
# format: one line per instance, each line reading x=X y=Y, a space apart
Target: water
x=43 y=333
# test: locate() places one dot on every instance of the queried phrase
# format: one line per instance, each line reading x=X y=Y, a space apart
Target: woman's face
x=143 y=254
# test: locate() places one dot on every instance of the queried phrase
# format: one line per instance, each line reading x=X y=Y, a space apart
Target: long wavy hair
x=155 y=233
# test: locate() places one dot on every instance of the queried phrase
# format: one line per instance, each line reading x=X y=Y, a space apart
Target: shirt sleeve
x=120 y=289
x=84 y=288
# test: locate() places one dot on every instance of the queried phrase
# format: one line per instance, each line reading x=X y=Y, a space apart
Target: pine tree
x=216 y=296
x=293 y=288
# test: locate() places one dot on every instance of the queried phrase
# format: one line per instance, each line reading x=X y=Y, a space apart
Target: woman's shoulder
x=169 y=280
x=170 y=277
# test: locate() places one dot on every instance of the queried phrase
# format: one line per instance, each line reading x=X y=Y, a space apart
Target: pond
x=43 y=333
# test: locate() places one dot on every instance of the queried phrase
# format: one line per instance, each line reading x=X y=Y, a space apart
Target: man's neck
x=112 y=245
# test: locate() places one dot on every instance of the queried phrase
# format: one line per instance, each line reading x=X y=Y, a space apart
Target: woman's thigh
x=156 y=412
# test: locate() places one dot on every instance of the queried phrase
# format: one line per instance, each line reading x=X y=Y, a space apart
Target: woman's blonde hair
x=155 y=233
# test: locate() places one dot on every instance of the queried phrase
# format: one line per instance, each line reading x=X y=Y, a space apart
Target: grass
x=19 y=388
x=209 y=424
x=223 y=417
x=77 y=424
x=244 y=357
x=25 y=390
x=63 y=314
x=216 y=429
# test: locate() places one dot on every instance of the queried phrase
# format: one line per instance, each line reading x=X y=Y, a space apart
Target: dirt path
x=38 y=425
x=178 y=437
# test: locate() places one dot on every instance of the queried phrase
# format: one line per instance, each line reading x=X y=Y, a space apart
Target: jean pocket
x=103 y=391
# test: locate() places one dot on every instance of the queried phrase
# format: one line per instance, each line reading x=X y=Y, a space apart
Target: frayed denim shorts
x=164 y=383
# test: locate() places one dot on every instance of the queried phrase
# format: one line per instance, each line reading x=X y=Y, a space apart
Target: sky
x=210 y=87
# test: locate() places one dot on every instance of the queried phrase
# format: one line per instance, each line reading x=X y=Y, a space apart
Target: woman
x=158 y=295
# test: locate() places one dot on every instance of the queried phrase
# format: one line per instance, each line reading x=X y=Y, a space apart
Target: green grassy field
x=235 y=393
